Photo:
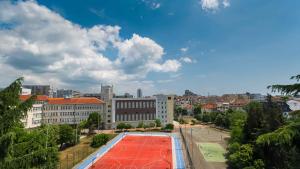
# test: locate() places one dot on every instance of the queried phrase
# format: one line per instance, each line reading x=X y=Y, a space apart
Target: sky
x=161 y=46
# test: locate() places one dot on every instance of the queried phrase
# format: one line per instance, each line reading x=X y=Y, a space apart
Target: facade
x=107 y=96
x=34 y=115
x=66 y=93
x=38 y=89
x=26 y=91
x=139 y=93
x=71 y=110
x=146 y=110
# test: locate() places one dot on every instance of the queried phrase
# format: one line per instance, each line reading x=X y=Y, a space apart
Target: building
x=126 y=95
x=97 y=95
x=189 y=93
x=165 y=108
x=107 y=96
x=223 y=106
x=209 y=107
x=294 y=104
x=146 y=110
x=38 y=89
x=25 y=91
x=71 y=110
x=34 y=115
x=139 y=93
x=66 y=93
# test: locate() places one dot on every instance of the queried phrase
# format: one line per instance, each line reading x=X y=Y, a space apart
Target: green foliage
x=93 y=121
x=140 y=125
x=157 y=122
x=180 y=111
x=67 y=135
x=99 y=140
x=197 y=110
x=242 y=157
x=292 y=89
x=128 y=126
x=122 y=126
x=152 y=125
x=12 y=110
x=21 y=148
x=169 y=126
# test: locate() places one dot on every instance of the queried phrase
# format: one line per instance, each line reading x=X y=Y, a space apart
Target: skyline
x=207 y=46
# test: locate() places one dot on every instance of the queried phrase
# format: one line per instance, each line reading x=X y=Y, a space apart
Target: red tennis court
x=138 y=152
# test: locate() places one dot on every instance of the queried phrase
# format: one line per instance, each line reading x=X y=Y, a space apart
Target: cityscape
x=149 y=84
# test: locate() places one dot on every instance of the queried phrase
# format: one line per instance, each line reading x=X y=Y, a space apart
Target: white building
x=165 y=108
x=71 y=110
x=26 y=91
x=294 y=104
x=34 y=115
x=107 y=96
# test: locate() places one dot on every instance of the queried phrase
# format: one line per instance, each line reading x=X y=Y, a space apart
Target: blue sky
x=208 y=46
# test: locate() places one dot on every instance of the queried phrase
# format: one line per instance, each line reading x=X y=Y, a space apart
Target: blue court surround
x=179 y=160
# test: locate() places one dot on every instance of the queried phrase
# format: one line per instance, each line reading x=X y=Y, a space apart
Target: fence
x=188 y=149
x=69 y=160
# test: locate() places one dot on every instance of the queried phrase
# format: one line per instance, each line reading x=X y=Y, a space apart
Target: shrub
x=158 y=123
x=140 y=125
x=99 y=140
x=169 y=126
x=128 y=126
x=121 y=126
x=152 y=125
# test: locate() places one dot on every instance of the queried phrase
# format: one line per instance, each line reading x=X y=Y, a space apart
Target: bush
x=152 y=125
x=169 y=126
x=194 y=122
x=158 y=123
x=121 y=126
x=99 y=140
x=128 y=126
x=140 y=125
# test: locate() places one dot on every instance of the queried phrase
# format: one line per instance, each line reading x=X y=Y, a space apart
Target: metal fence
x=188 y=149
x=69 y=160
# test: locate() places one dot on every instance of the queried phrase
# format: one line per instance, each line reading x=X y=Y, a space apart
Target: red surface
x=138 y=152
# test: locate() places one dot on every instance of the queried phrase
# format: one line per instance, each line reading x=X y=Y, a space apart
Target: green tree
x=121 y=126
x=21 y=148
x=157 y=122
x=197 y=110
x=66 y=135
x=99 y=140
x=93 y=121
x=242 y=157
x=169 y=126
x=292 y=89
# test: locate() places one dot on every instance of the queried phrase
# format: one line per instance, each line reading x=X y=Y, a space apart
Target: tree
x=197 y=110
x=292 y=89
x=93 y=121
x=121 y=126
x=99 y=140
x=242 y=157
x=157 y=122
x=66 y=135
x=169 y=126
x=20 y=148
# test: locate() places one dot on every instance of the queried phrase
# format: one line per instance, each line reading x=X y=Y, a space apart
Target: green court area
x=212 y=152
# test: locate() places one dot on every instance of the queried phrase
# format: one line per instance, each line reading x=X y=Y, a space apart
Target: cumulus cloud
x=45 y=47
x=187 y=60
x=184 y=49
x=213 y=5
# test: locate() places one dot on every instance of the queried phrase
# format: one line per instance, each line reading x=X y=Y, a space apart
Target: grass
x=212 y=152
x=75 y=154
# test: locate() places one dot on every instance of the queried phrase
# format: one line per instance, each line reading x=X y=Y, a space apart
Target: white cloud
x=46 y=48
x=187 y=60
x=213 y=5
x=153 y=4
x=184 y=49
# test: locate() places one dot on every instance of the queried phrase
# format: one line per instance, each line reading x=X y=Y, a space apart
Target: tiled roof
x=80 y=100
x=209 y=106
x=38 y=97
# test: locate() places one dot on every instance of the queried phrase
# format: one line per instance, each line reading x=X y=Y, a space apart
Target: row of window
x=130 y=104
x=64 y=120
x=67 y=114
x=72 y=107
x=134 y=117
